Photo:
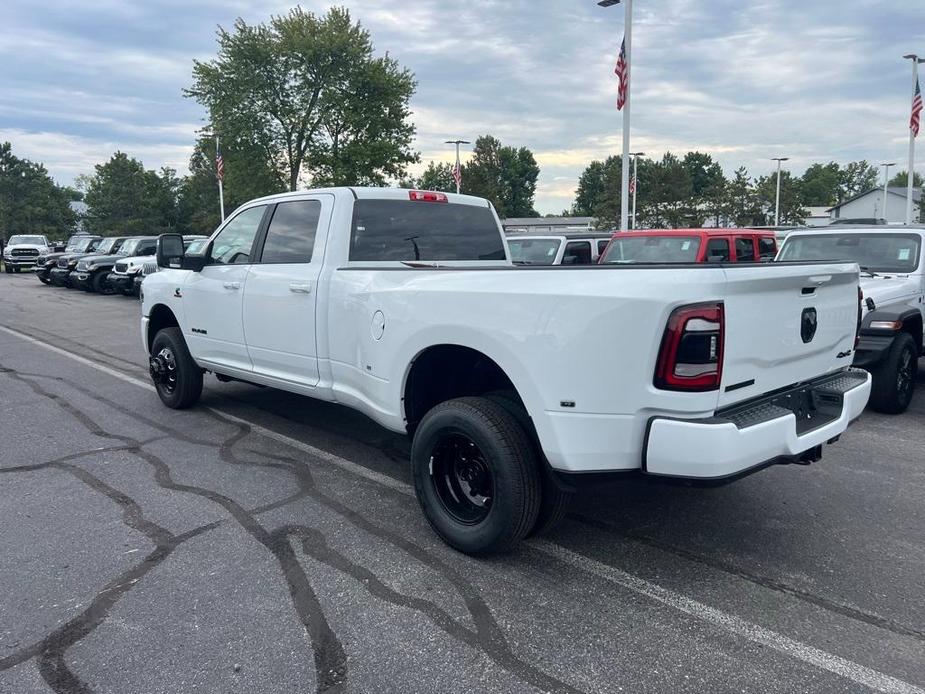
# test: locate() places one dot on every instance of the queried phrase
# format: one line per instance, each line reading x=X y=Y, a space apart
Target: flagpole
x=886 y=183
x=458 y=175
x=635 y=156
x=910 y=183
x=625 y=183
x=221 y=193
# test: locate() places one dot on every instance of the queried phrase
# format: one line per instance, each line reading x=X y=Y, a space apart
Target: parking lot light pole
x=779 y=160
x=886 y=182
x=628 y=47
x=457 y=172
x=635 y=156
x=909 y=184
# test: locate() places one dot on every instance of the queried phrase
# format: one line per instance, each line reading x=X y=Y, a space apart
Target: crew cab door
x=282 y=287
x=213 y=298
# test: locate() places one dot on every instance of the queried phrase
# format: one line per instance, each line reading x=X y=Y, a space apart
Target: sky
x=815 y=80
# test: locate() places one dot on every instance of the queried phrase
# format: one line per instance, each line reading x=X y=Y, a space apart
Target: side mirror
x=170 y=251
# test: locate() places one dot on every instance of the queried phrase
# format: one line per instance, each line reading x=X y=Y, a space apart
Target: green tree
x=901 y=180
x=857 y=177
x=125 y=198
x=438 y=177
x=247 y=176
x=308 y=94
x=504 y=175
x=820 y=185
x=667 y=202
x=742 y=208
x=708 y=187
x=791 y=206
x=592 y=190
x=30 y=201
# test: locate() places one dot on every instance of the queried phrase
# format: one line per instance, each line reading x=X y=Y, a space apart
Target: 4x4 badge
x=808 y=324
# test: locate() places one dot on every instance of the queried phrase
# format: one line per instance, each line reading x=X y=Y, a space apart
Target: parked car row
x=645 y=247
x=103 y=265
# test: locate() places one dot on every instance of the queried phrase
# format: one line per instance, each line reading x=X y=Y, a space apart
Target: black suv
x=78 y=244
x=92 y=272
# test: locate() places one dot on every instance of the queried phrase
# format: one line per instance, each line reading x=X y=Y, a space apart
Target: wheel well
x=913 y=326
x=444 y=372
x=161 y=317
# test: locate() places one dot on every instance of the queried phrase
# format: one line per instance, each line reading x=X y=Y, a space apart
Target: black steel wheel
x=177 y=378
x=476 y=475
x=894 y=380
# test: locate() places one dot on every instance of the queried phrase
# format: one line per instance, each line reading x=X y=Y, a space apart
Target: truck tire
x=554 y=501
x=894 y=379
x=44 y=280
x=177 y=378
x=476 y=475
x=7 y=269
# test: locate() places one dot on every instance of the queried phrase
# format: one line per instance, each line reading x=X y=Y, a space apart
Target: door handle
x=231 y=285
x=300 y=288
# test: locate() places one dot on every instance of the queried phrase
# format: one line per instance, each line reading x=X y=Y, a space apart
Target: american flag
x=633 y=185
x=916 y=121
x=219 y=163
x=622 y=71
x=457 y=175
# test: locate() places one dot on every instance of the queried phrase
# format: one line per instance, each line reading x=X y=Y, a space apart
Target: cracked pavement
x=266 y=542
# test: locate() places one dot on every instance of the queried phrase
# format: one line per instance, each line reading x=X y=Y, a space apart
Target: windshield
x=876 y=251
x=83 y=245
x=29 y=240
x=534 y=251
x=196 y=247
x=652 y=249
x=129 y=247
x=108 y=246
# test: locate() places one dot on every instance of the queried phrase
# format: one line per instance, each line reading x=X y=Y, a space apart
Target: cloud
x=745 y=82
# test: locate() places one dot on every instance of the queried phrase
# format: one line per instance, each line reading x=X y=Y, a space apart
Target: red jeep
x=690 y=246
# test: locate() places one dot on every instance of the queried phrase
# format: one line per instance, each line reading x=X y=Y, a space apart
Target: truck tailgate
x=786 y=323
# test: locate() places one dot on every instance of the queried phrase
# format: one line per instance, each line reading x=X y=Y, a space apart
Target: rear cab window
x=745 y=249
x=718 y=250
x=577 y=253
x=400 y=230
x=628 y=248
x=767 y=248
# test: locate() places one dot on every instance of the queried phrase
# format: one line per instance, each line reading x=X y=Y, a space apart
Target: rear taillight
x=691 y=355
x=427 y=196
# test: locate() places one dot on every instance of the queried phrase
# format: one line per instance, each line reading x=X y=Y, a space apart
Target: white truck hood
x=888 y=290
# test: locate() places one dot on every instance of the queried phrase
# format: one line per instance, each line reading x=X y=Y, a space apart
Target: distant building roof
x=893 y=190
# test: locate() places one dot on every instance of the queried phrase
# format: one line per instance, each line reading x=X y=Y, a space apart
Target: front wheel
x=177 y=378
x=894 y=380
x=7 y=269
x=44 y=280
x=476 y=475
x=100 y=284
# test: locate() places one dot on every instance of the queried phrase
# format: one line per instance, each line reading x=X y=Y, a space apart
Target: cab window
x=767 y=248
x=577 y=253
x=745 y=249
x=602 y=246
x=291 y=234
x=234 y=242
x=718 y=251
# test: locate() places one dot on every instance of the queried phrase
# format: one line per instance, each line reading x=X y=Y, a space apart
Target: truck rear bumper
x=785 y=425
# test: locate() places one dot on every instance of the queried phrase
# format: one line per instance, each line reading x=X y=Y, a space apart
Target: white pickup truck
x=892 y=261
x=510 y=379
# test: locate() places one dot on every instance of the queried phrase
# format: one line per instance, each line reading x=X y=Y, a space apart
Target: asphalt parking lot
x=263 y=542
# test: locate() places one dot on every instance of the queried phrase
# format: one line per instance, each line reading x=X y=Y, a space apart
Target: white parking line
x=859 y=674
